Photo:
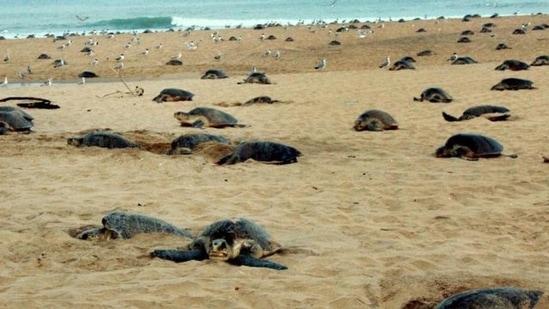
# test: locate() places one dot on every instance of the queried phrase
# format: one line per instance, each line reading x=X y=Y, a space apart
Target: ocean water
x=19 y=18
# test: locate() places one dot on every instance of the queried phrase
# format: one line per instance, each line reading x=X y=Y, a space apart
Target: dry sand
x=379 y=222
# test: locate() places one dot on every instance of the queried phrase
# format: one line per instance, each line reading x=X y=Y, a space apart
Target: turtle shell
x=480 y=145
x=16 y=118
x=498 y=297
x=214 y=74
x=214 y=116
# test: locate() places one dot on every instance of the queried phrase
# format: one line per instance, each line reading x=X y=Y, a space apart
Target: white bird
x=453 y=57
x=385 y=63
x=82 y=81
x=253 y=70
x=267 y=52
x=176 y=57
x=321 y=65
x=362 y=34
x=48 y=82
x=262 y=37
x=191 y=45
x=7 y=58
x=127 y=46
x=159 y=46
x=5 y=82
x=82 y=19
x=120 y=58
x=218 y=56
x=145 y=52
x=94 y=62
x=276 y=54
x=120 y=66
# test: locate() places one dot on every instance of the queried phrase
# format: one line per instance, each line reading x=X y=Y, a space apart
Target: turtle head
x=360 y=125
x=75 y=141
x=220 y=249
x=444 y=152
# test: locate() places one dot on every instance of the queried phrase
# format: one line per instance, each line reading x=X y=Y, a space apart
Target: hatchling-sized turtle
x=186 y=143
x=260 y=99
x=125 y=225
x=491 y=112
x=434 y=95
x=102 y=139
x=173 y=95
x=471 y=146
x=513 y=65
x=15 y=119
x=375 y=120
x=540 y=60
x=240 y=242
x=214 y=74
x=201 y=117
x=263 y=151
x=492 y=298
x=513 y=84
x=256 y=78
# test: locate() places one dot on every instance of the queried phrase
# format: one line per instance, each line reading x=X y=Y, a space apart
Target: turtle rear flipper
x=247 y=260
x=231 y=158
x=179 y=256
x=449 y=118
x=498 y=117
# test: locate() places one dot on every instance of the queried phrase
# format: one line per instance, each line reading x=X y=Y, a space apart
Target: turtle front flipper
x=498 y=117
x=449 y=118
x=246 y=260
x=198 y=124
x=179 y=256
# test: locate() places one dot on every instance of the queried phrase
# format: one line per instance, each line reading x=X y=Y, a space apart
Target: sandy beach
x=373 y=219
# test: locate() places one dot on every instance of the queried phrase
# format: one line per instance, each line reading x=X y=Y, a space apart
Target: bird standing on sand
x=145 y=52
x=5 y=82
x=94 y=62
x=82 y=81
x=453 y=57
x=385 y=63
x=48 y=82
x=321 y=65
x=218 y=56
x=276 y=54
x=7 y=58
x=177 y=57
x=159 y=46
x=267 y=52
x=120 y=58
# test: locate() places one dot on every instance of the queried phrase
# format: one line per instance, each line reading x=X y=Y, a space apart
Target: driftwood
x=137 y=92
x=39 y=102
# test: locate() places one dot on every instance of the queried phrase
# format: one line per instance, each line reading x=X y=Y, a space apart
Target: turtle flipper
x=198 y=124
x=247 y=260
x=179 y=256
x=449 y=118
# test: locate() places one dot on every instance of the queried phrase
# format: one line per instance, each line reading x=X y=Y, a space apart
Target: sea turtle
x=464 y=60
x=513 y=65
x=260 y=99
x=214 y=74
x=174 y=62
x=540 y=60
x=102 y=139
x=185 y=144
x=502 y=46
x=239 y=242
x=491 y=298
x=375 y=120
x=87 y=74
x=491 y=112
x=125 y=225
x=256 y=78
x=261 y=151
x=16 y=119
x=464 y=39
x=513 y=84
x=402 y=65
x=173 y=95
x=434 y=95
x=201 y=117
x=471 y=146
x=424 y=53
